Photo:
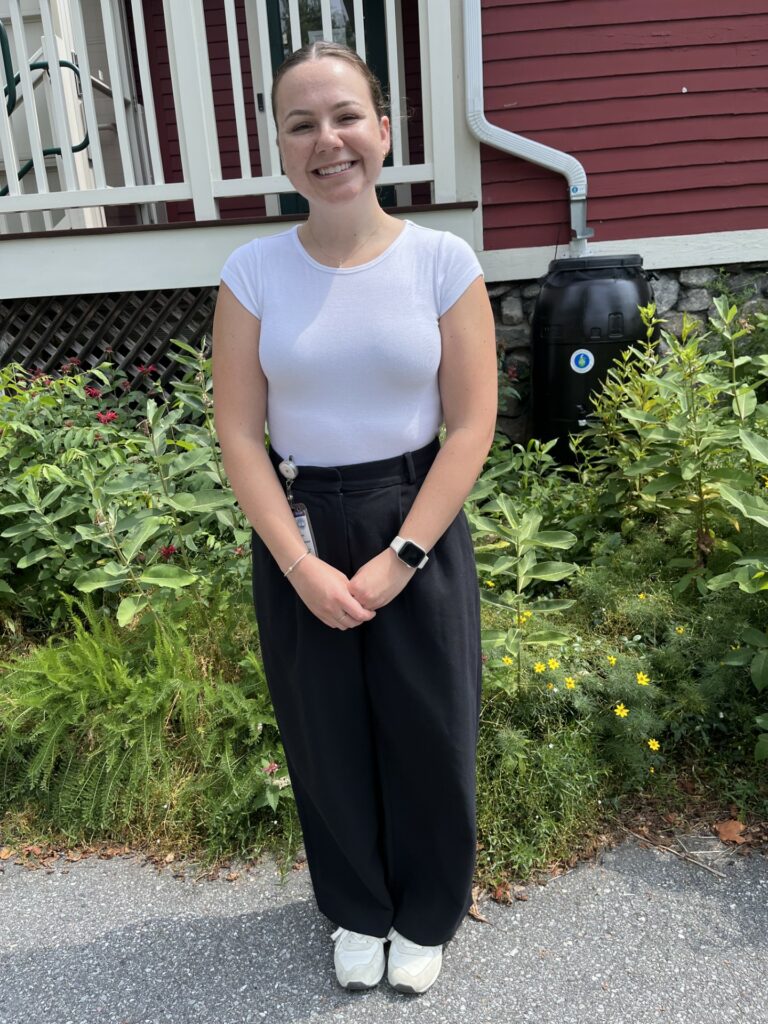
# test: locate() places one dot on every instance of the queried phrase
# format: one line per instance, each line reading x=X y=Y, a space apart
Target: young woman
x=354 y=336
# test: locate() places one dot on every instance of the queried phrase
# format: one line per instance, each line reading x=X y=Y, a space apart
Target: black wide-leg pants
x=379 y=722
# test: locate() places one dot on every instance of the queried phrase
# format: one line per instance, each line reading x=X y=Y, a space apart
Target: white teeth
x=335 y=169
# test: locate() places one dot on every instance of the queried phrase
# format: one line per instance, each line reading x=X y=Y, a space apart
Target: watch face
x=411 y=554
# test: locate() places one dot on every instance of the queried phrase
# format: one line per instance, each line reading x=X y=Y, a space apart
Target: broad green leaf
x=167 y=576
x=761 y=748
x=189 y=460
x=503 y=564
x=749 y=505
x=744 y=403
x=662 y=484
x=554 y=539
x=530 y=525
x=552 y=570
x=741 y=657
x=497 y=600
x=20 y=530
x=547 y=636
x=481 y=490
x=550 y=604
x=140 y=535
x=754 y=637
x=512 y=641
x=95 y=579
x=644 y=465
x=129 y=607
x=506 y=507
x=638 y=416
x=723 y=580
x=756 y=445
x=197 y=501
x=38 y=556
x=527 y=563
x=493 y=637
x=759 y=670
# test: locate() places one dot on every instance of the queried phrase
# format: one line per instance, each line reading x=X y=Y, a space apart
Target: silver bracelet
x=292 y=567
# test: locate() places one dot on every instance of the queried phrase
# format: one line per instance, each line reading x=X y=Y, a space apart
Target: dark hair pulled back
x=315 y=51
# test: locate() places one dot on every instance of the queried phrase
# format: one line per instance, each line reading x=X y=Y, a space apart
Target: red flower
x=512 y=372
x=92 y=392
x=239 y=550
x=106 y=417
x=271 y=768
x=166 y=552
x=146 y=369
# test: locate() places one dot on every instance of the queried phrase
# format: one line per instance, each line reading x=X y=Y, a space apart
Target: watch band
x=409 y=552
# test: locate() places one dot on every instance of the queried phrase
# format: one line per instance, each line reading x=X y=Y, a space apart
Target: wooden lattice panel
x=127 y=328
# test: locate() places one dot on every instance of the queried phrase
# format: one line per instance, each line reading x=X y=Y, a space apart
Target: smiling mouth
x=335 y=169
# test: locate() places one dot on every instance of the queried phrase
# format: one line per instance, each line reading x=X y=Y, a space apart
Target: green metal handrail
x=10 y=91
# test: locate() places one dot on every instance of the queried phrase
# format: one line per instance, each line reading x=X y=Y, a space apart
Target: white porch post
x=438 y=96
x=193 y=98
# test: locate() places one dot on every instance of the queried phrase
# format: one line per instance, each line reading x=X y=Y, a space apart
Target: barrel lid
x=595 y=262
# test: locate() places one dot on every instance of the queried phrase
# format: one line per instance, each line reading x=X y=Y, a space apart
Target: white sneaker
x=358 y=958
x=411 y=967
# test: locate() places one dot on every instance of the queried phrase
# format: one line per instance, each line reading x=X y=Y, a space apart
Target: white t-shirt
x=351 y=355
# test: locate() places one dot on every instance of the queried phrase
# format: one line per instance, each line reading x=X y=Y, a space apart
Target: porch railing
x=55 y=108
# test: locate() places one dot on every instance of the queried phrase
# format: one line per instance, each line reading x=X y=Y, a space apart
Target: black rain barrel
x=585 y=315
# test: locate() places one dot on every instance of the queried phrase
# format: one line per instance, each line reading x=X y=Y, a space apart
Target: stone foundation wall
x=690 y=290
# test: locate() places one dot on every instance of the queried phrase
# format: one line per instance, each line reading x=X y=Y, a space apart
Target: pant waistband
x=405 y=468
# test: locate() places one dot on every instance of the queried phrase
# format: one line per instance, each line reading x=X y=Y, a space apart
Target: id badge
x=301 y=515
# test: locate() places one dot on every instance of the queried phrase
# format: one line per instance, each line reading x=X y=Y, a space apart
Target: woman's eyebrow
x=307 y=113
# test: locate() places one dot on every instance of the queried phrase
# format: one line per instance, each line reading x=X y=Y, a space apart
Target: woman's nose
x=328 y=137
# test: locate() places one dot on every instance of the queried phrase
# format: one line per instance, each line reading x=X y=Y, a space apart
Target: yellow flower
x=539 y=667
x=553 y=663
x=652 y=770
x=679 y=630
x=642 y=596
x=490 y=583
x=653 y=744
x=611 y=660
x=642 y=679
x=570 y=682
x=527 y=614
x=621 y=711
x=507 y=660
x=550 y=686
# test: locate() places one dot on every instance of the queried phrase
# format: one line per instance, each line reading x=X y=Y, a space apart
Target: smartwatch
x=409 y=552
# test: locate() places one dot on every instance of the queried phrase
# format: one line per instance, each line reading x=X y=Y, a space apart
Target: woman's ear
x=386 y=133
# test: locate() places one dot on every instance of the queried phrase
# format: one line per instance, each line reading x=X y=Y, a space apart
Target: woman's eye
x=299 y=127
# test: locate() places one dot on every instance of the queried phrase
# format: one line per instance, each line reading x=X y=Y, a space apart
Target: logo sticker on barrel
x=582 y=360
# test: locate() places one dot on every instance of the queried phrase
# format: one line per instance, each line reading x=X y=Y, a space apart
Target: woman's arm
x=468 y=384
x=239 y=408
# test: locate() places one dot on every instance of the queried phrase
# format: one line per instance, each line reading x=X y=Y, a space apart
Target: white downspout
x=517 y=145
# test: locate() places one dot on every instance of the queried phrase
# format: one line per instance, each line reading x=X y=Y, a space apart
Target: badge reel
x=289 y=471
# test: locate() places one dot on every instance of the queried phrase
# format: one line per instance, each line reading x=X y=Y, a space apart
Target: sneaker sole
x=358 y=986
x=406 y=988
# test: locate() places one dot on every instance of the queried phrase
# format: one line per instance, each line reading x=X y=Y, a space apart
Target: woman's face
x=326 y=122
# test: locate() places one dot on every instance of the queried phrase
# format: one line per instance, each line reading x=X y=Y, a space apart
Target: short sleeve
x=242 y=275
x=457 y=268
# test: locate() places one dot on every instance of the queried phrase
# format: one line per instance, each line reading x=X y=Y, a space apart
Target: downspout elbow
x=518 y=145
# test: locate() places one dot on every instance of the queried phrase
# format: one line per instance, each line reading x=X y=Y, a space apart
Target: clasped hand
x=343 y=603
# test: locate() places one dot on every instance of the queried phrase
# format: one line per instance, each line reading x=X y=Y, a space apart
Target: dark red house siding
x=664 y=103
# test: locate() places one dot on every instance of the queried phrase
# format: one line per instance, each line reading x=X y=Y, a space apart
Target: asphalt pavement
x=632 y=937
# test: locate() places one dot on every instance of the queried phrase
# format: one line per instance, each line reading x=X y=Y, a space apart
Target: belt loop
x=411 y=469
